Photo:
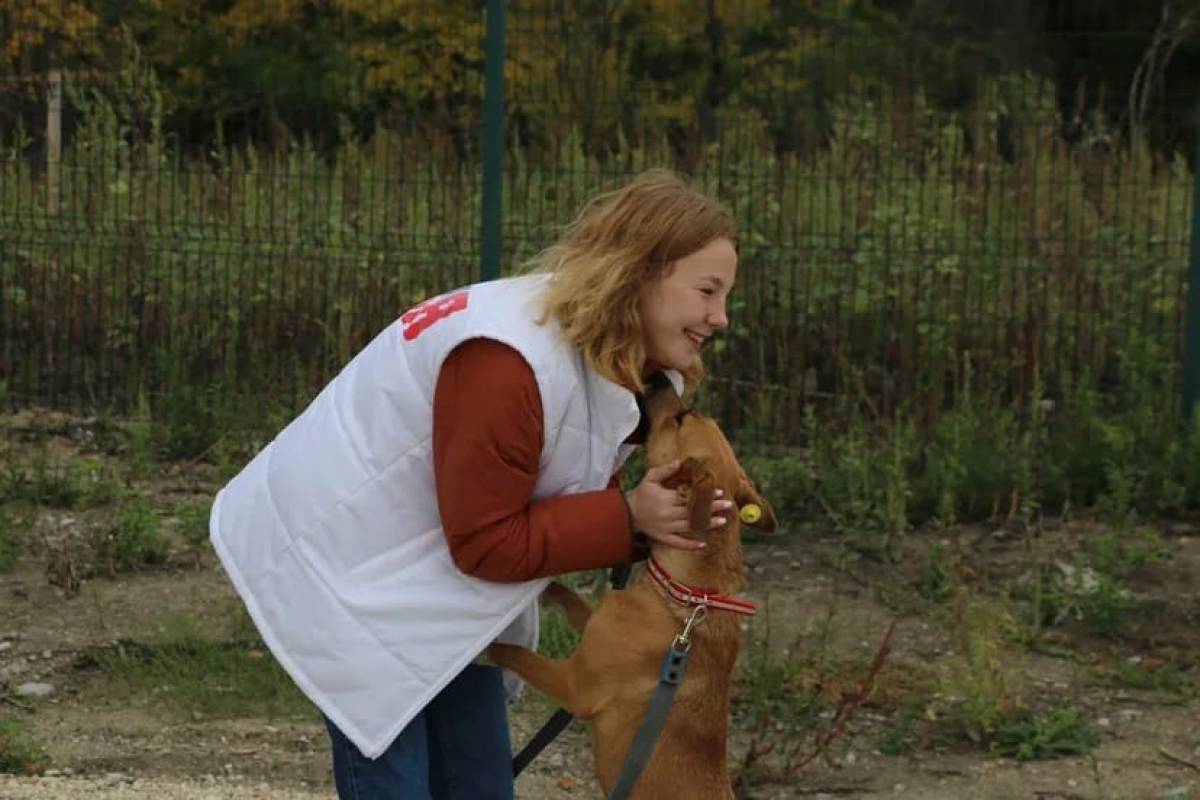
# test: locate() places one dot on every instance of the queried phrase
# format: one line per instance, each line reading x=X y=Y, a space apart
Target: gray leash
x=674 y=666
x=670 y=674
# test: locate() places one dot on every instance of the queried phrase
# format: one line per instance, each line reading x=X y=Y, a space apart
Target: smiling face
x=686 y=306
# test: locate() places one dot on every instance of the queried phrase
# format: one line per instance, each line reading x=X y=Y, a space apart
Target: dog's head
x=707 y=460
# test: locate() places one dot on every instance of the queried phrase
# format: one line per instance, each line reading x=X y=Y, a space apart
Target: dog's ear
x=697 y=485
x=748 y=495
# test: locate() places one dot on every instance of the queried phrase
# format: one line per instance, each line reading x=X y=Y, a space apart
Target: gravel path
x=124 y=787
x=119 y=786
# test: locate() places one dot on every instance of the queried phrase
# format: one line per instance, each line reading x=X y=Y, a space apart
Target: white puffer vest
x=331 y=534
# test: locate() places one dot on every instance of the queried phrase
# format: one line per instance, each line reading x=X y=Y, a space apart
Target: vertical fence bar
x=1191 y=344
x=53 y=140
x=493 y=141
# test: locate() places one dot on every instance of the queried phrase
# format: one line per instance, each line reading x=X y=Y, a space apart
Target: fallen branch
x=825 y=791
x=759 y=748
x=1183 y=762
x=12 y=701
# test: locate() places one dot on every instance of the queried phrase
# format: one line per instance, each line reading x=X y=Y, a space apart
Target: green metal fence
x=909 y=224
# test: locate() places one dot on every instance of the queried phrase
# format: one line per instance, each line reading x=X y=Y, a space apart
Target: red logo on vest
x=421 y=316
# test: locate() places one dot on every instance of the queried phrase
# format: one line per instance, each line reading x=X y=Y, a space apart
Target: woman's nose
x=717 y=318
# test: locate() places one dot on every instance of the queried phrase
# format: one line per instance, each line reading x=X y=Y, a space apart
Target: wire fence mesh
x=910 y=225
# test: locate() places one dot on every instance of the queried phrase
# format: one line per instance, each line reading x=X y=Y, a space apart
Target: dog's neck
x=718 y=566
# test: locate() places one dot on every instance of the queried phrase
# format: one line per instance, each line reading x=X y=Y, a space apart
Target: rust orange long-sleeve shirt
x=487 y=444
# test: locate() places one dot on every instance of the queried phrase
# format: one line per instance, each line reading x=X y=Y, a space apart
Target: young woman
x=414 y=511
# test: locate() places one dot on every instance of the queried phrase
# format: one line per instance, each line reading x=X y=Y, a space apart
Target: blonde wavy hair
x=621 y=240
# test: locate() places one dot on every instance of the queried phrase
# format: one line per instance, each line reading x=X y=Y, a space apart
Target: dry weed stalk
x=847 y=705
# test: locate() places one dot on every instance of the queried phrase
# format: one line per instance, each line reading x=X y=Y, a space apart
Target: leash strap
x=673 y=667
x=558 y=722
x=545 y=735
x=618 y=577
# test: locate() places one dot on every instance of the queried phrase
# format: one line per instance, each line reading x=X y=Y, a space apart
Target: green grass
x=20 y=753
x=12 y=542
x=1166 y=679
x=1040 y=736
x=76 y=484
x=779 y=691
x=137 y=539
x=556 y=637
x=191 y=523
x=187 y=672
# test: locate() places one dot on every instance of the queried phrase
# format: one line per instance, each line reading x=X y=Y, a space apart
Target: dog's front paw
x=505 y=656
x=485 y=659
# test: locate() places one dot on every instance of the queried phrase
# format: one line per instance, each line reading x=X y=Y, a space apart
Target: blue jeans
x=457 y=748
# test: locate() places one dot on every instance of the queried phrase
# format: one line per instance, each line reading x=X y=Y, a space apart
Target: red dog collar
x=692 y=596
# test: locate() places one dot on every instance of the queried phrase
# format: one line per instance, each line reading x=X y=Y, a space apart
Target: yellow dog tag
x=750 y=513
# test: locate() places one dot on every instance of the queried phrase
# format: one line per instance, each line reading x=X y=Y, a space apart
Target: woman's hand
x=661 y=513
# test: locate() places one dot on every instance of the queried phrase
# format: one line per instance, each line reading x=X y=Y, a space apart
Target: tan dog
x=611 y=676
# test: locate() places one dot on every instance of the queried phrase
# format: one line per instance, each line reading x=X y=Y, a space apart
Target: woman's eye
x=708 y=290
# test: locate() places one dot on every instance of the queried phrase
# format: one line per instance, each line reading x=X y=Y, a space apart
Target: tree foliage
x=607 y=71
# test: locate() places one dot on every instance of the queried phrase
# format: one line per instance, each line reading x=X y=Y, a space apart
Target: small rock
x=113 y=779
x=5 y=646
x=47 y=654
x=38 y=691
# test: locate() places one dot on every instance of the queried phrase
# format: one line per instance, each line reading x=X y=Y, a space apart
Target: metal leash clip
x=683 y=640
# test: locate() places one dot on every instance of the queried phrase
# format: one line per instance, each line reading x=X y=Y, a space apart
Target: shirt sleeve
x=487 y=447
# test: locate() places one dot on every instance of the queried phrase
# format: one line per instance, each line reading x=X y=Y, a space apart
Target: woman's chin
x=679 y=361
x=683 y=363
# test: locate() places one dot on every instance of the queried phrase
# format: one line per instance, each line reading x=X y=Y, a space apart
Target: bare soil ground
x=827 y=610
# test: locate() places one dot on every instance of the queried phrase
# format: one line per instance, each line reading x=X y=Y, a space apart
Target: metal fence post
x=493 y=141
x=1191 y=343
